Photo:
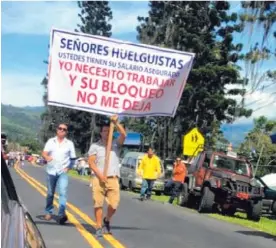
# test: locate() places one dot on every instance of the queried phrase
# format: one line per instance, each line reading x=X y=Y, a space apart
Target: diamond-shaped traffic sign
x=193 y=143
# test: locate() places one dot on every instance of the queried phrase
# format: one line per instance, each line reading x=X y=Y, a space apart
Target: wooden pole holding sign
x=108 y=148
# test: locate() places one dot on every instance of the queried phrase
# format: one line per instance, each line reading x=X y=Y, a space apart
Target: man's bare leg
x=99 y=216
x=110 y=212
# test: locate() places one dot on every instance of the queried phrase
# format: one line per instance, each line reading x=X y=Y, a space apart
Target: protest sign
x=107 y=76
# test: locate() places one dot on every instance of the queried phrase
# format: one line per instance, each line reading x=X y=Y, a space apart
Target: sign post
x=108 y=148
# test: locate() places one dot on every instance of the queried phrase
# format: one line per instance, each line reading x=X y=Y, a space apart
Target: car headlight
x=233 y=178
x=138 y=180
x=253 y=182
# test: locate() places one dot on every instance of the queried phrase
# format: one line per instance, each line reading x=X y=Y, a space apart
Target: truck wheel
x=158 y=193
x=122 y=187
x=273 y=207
x=254 y=211
x=130 y=187
x=207 y=201
x=183 y=197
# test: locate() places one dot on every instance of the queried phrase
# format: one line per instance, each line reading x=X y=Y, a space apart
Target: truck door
x=201 y=171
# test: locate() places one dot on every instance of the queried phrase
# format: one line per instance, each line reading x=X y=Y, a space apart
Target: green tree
x=206 y=29
x=258 y=146
x=262 y=124
x=260 y=13
x=94 y=19
x=259 y=18
x=33 y=145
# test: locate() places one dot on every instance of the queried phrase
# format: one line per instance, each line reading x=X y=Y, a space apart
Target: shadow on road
x=127 y=228
x=52 y=223
x=258 y=234
x=89 y=228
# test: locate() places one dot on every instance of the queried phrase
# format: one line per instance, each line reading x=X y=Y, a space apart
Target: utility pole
x=92 y=128
x=258 y=162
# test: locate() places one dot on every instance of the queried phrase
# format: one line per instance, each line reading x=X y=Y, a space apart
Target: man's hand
x=49 y=159
x=139 y=173
x=65 y=170
x=103 y=179
x=114 y=118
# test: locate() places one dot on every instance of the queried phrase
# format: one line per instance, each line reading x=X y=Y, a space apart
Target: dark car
x=17 y=226
x=269 y=201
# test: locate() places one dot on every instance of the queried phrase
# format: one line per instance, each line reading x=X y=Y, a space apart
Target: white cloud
x=262 y=102
x=39 y=17
x=125 y=19
x=21 y=89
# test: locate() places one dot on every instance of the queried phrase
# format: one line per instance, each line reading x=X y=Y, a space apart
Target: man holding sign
x=106 y=183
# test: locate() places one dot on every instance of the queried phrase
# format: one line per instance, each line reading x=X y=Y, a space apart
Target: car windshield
x=168 y=167
x=237 y=166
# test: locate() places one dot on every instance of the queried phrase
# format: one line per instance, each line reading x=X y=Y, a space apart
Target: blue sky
x=25 y=33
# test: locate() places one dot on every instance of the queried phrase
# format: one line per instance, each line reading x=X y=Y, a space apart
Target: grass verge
x=266 y=224
x=75 y=174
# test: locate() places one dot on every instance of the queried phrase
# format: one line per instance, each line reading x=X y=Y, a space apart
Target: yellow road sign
x=193 y=143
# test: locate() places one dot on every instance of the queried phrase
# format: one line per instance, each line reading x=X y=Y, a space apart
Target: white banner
x=107 y=76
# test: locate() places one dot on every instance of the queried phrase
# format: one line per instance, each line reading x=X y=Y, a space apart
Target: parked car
x=82 y=166
x=129 y=177
x=222 y=180
x=17 y=226
x=269 y=201
x=41 y=161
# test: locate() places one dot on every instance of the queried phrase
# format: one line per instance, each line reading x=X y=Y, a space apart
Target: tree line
x=215 y=90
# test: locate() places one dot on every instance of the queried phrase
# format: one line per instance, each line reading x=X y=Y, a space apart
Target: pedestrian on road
x=22 y=160
x=12 y=157
x=106 y=186
x=59 y=152
x=178 y=177
x=149 y=169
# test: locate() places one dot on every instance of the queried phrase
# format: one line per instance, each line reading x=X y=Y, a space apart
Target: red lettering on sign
x=106 y=101
x=136 y=106
x=89 y=83
x=72 y=79
x=83 y=97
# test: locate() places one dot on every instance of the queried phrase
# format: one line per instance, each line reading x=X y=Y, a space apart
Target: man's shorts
x=109 y=190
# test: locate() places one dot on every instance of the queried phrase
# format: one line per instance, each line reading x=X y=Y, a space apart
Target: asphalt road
x=136 y=224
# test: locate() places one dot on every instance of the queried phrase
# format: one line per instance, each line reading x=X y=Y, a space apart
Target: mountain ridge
x=25 y=122
x=21 y=123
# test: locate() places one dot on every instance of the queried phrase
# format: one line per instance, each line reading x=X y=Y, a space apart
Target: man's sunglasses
x=62 y=129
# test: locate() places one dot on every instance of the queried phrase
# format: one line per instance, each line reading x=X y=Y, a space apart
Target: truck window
x=133 y=163
x=194 y=164
x=124 y=162
x=237 y=166
x=128 y=162
x=207 y=160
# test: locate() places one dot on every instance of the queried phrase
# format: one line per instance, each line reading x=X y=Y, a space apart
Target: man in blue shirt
x=59 y=152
